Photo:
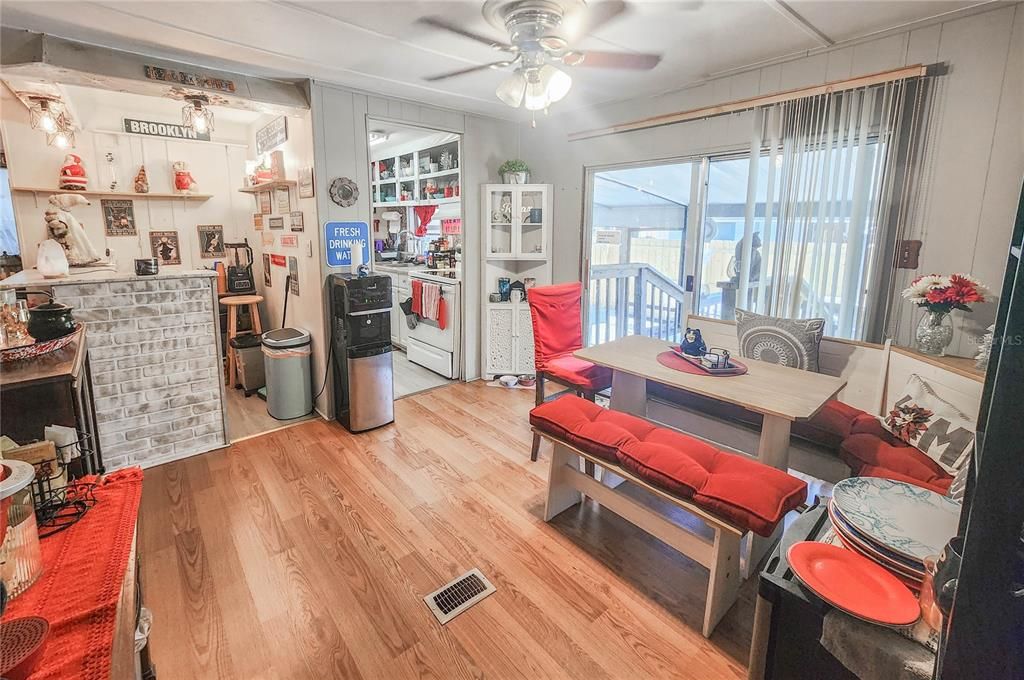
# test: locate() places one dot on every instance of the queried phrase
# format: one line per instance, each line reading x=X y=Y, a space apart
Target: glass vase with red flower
x=939 y=296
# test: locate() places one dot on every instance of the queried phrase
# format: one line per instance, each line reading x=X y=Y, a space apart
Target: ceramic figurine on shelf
x=141 y=181
x=72 y=174
x=112 y=170
x=693 y=344
x=183 y=179
x=65 y=229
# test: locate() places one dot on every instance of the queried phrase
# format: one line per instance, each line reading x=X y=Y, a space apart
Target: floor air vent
x=459 y=595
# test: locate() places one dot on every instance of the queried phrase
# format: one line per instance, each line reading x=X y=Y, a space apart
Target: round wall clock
x=344 y=192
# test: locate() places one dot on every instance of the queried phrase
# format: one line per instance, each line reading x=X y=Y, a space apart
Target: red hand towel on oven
x=431 y=298
x=416 y=293
x=442 y=313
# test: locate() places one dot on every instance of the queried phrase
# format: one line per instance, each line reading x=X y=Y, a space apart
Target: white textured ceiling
x=378 y=46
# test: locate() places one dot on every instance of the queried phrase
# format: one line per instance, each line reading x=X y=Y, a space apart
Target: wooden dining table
x=781 y=395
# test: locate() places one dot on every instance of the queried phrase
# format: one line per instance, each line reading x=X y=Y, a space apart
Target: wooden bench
x=720 y=554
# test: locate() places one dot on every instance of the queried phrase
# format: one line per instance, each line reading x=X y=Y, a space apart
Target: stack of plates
x=893 y=523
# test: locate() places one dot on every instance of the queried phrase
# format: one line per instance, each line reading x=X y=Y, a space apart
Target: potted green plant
x=515 y=172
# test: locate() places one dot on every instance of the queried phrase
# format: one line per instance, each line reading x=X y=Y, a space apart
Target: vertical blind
x=828 y=200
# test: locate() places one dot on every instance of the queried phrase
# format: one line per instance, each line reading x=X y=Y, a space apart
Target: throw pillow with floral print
x=932 y=425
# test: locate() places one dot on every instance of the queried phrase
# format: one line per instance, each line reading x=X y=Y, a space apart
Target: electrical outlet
x=907 y=254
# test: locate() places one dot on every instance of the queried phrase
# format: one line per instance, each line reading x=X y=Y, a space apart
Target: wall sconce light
x=196 y=114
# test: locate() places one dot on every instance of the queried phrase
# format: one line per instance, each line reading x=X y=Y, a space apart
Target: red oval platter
x=853 y=583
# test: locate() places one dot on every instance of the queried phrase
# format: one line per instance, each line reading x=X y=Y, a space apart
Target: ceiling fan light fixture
x=553 y=43
x=512 y=89
x=572 y=58
x=556 y=83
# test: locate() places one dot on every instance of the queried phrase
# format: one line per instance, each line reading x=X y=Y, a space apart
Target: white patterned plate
x=906 y=519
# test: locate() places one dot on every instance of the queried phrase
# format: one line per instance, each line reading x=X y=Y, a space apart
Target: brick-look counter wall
x=153 y=345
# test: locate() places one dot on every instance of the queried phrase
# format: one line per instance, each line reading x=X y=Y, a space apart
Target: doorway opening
x=416 y=206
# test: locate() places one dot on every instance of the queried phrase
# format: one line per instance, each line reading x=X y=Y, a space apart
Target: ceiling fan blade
x=438 y=22
x=589 y=18
x=622 y=60
x=471 y=69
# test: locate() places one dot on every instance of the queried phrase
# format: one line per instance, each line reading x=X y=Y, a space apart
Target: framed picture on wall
x=266 y=270
x=275 y=222
x=263 y=202
x=164 y=246
x=211 y=241
x=283 y=200
x=297 y=221
x=306 y=183
x=293 y=271
x=118 y=217
x=257 y=221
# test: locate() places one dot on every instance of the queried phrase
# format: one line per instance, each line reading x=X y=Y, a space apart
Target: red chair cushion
x=865 y=451
x=830 y=425
x=557 y=316
x=569 y=369
x=938 y=486
x=745 y=492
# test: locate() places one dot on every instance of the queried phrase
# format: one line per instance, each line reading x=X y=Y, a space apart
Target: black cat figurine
x=693 y=344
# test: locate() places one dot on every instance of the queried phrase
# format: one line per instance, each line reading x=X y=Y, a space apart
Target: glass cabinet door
x=532 y=224
x=499 y=223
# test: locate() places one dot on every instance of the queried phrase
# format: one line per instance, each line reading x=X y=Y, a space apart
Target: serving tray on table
x=734 y=368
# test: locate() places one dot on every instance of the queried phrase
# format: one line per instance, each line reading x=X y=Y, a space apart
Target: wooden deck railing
x=633 y=299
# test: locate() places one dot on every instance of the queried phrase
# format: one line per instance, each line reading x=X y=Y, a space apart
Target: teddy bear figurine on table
x=183 y=179
x=693 y=344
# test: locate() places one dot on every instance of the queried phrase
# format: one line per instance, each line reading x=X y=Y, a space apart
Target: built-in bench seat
x=730 y=493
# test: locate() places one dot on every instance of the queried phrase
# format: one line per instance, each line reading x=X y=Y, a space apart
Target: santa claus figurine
x=183 y=180
x=72 y=174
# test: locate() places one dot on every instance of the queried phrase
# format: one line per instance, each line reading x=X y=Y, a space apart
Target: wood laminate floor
x=306 y=553
x=411 y=378
x=247 y=416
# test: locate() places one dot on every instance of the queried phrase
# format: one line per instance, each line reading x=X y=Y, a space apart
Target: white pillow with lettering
x=919 y=417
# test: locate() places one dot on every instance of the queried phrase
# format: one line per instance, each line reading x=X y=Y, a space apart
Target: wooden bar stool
x=233 y=302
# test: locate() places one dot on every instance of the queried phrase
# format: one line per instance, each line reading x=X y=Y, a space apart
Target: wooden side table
x=233 y=303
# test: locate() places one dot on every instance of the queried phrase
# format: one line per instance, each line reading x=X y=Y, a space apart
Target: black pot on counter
x=50 y=320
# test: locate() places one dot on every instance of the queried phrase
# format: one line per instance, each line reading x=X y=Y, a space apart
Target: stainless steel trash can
x=286 y=364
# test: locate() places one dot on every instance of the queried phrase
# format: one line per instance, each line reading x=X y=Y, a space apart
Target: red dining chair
x=557 y=315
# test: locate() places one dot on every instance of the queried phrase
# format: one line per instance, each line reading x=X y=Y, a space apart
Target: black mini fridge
x=364 y=395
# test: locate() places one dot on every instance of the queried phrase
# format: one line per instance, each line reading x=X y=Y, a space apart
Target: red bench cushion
x=745 y=492
x=574 y=371
x=830 y=425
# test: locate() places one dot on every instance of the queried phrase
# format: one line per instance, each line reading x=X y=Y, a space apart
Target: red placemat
x=672 y=360
x=83 y=569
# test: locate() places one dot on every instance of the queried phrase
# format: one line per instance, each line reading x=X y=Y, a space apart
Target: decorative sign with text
x=171 y=75
x=153 y=128
x=274 y=133
x=341 y=237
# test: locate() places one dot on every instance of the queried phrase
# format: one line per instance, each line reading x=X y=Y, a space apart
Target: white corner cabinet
x=517 y=221
x=509 y=339
x=516 y=225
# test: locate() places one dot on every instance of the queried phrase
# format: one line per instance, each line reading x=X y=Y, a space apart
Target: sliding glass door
x=636 y=260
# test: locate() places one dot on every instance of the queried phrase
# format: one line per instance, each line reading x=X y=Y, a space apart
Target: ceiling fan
x=541 y=33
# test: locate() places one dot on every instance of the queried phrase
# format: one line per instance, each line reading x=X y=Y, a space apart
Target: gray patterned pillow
x=788 y=342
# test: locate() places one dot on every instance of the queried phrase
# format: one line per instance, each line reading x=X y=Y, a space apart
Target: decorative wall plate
x=344 y=192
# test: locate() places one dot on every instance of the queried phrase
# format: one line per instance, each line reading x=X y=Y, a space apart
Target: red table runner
x=78 y=591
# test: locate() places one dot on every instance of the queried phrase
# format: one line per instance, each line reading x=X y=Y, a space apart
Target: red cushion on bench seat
x=745 y=492
x=587 y=426
x=574 y=371
x=940 y=486
x=865 y=452
x=830 y=425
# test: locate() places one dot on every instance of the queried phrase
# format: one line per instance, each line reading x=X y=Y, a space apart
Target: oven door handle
x=367 y=312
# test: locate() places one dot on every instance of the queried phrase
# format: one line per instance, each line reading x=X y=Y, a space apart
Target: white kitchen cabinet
x=508 y=340
x=517 y=221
